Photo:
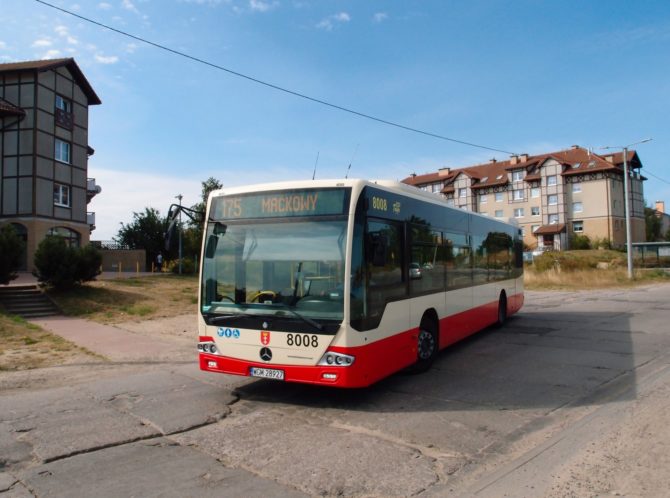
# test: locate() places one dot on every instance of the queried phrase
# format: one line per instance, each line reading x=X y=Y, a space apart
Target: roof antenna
x=351 y=161
x=315 y=163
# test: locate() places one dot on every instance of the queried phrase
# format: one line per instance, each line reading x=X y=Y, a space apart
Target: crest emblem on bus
x=265 y=337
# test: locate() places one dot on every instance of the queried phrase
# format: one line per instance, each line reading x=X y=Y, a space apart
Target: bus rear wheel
x=426 y=347
x=502 y=310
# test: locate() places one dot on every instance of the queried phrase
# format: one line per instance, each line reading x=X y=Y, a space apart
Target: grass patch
x=118 y=300
x=24 y=346
x=584 y=270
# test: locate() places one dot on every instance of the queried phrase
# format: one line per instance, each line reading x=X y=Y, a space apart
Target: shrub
x=63 y=267
x=187 y=266
x=581 y=242
x=11 y=250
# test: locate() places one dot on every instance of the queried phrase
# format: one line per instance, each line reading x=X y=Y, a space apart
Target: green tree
x=652 y=225
x=11 y=250
x=63 y=267
x=146 y=231
x=192 y=234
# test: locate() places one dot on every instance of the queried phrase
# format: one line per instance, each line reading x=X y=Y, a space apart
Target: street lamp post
x=626 y=203
x=180 y=197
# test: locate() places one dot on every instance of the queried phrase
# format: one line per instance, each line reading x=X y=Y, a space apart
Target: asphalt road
x=569 y=398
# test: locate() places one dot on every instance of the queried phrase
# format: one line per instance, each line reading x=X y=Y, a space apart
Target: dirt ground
x=629 y=454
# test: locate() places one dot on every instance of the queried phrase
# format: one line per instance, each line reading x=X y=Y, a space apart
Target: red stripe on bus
x=376 y=360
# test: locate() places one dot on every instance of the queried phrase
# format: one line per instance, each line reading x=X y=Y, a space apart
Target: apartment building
x=44 y=151
x=551 y=196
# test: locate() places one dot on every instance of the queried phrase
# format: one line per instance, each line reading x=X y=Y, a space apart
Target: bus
x=344 y=282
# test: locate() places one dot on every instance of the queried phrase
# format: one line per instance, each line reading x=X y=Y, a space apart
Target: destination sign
x=287 y=203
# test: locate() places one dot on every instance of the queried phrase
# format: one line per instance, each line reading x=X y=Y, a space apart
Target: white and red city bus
x=344 y=282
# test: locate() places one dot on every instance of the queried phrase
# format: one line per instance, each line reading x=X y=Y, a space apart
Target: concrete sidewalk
x=114 y=343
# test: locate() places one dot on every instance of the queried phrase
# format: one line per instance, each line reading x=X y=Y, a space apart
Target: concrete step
x=27 y=301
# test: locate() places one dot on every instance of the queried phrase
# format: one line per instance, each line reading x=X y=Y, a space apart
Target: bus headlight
x=336 y=359
x=208 y=347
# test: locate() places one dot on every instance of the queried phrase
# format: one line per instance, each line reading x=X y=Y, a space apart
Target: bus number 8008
x=302 y=340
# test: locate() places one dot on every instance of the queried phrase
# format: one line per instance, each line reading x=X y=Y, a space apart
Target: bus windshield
x=293 y=269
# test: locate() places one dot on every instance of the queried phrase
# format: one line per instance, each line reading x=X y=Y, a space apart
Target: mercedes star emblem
x=266 y=354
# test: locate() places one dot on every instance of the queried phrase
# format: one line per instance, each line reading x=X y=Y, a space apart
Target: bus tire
x=502 y=310
x=427 y=345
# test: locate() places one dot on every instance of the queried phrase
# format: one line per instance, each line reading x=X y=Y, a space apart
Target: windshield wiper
x=213 y=318
x=305 y=319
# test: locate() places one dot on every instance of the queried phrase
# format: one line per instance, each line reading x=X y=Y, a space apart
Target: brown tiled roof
x=9 y=109
x=550 y=229
x=47 y=64
x=576 y=160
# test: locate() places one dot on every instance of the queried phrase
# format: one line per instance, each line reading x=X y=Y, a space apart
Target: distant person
x=159 y=262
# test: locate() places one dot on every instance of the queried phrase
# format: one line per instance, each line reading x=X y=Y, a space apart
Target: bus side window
x=384 y=258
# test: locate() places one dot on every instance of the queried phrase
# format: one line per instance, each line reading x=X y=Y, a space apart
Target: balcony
x=64 y=119
x=90 y=219
x=92 y=189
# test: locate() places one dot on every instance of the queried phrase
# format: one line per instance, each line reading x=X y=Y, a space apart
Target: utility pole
x=626 y=203
x=180 y=197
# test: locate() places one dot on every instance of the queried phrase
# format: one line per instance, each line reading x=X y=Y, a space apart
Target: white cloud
x=261 y=6
x=3 y=45
x=128 y=5
x=342 y=17
x=330 y=22
x=72 y=40
x=61 y=30
x=131 y=48
x=109 y=59
x=50 y=54
x=104 y=6
x=126 y=192
x=380 y=17
x=42 y=42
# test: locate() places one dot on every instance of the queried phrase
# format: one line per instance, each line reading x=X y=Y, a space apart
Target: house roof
x=550 y=229
x=48 y=64
x=8 y=109
x=575 y=161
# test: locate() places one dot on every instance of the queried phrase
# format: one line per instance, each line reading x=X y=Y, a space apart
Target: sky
x=517 y=76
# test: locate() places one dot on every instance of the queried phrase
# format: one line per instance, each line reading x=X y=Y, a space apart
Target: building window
x=62 y=152
x=63 y=104
x=462 y=192
x=499 y=213
x=551 y=180
x=552 y=200
x=535 y=192
x=518 y=213
x=483 y=199
x=499 y=197
x=577 y=207
x=535 y=210
x=450 y=202
x=577 y=226
x=517 y=175
x=553 y=219
x=576 y=188
x=436 y=187
x=517 y=194
x=534 y=228
x=61 y=195
x=72 y=238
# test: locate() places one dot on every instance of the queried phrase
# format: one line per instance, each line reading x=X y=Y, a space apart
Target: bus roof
x=357 y=185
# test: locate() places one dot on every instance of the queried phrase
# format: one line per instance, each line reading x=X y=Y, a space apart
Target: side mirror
x=210 y=247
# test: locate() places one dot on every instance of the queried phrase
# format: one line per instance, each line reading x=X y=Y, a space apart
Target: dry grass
x=24 y=345
x=579 y=270
x=119 y=300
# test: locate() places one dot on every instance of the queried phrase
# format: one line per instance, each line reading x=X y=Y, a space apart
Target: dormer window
x=517 y=175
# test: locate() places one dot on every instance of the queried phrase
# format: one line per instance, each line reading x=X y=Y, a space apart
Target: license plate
x=267 y=373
